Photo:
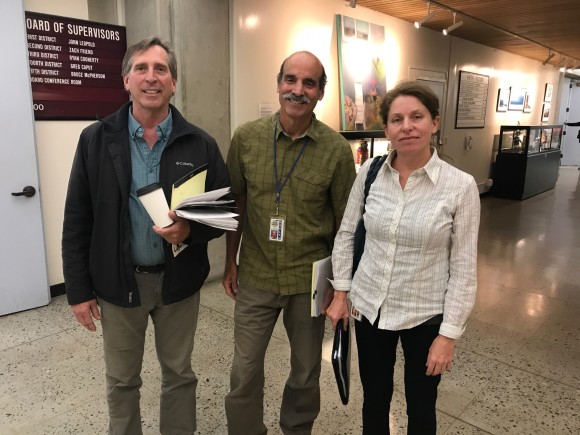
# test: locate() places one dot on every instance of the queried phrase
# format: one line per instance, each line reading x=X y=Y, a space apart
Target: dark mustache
x=296 y=98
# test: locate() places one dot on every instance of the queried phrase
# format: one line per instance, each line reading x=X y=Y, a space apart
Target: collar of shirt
x=163 y=129
x=311 y=132
x=432 y=168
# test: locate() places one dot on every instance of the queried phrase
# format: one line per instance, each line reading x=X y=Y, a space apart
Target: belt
x=157 y=268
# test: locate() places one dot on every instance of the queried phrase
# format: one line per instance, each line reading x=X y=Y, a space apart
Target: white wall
x=283 y=27
x=56 y=142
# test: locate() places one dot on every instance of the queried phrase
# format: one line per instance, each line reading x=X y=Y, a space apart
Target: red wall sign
x=75 y=67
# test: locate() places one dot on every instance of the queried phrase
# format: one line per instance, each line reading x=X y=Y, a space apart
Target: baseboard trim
x=57 y=290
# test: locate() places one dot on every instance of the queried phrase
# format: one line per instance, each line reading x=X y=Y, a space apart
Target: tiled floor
x=517 y=368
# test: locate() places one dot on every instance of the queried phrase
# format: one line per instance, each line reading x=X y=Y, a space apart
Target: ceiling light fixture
x=351 y=3
x=452 y=27
x=563 y=68
x=550 y=56
x=426 y=17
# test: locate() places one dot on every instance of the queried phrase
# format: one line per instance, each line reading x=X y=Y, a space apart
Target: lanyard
x=279 y=187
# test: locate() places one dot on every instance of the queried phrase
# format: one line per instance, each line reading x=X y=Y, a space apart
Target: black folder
x=341 y=360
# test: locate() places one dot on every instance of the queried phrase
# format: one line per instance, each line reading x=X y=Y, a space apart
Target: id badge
x=277 y=228
x=355 y=314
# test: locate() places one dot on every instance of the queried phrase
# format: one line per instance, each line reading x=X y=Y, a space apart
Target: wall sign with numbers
x=471 y=100
x=75 y=67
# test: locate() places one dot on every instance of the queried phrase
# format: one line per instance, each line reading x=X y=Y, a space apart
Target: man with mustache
x=291 y=176
x=120 y=268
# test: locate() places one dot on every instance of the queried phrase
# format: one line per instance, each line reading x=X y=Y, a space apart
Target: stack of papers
x=190 y=201
x=208 y=209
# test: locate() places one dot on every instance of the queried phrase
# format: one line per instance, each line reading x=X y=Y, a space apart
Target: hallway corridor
x=516 y=370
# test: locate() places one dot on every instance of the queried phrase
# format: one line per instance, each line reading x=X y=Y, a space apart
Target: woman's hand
x=440 y=355
x=338 y=309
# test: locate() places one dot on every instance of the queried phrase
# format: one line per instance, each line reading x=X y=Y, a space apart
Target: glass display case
x=528 y=160
x=529 y=139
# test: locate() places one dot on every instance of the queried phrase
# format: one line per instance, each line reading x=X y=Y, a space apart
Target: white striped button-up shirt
x=420 y=256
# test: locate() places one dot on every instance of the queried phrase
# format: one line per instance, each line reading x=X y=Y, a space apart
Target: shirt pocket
x=311 y=185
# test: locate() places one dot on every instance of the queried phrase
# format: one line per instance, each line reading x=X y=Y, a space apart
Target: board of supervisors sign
x=75 y=67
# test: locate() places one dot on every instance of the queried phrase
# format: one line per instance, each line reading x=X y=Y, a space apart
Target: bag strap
x=376 y=165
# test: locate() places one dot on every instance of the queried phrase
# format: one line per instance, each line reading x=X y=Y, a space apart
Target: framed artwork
x=545 y=112
x=548 y=92
x=527 y=103
x=503 y=98
x=517 y=97
x=362 y=72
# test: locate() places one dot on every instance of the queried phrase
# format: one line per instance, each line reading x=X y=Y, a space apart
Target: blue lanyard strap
x=279 y=186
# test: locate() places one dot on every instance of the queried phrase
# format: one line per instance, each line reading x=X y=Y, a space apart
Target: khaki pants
x=124 y=341
x=255 y=315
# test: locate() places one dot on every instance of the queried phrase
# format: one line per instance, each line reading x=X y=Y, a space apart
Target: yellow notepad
x=189 y=185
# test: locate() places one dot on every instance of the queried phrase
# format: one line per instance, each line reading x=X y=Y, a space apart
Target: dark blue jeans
x=376 y=356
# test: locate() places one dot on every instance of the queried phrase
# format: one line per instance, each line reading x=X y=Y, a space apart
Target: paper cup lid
x=148 y=189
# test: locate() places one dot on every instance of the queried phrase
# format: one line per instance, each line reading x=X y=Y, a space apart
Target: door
x=570 y=141
x=23 y=272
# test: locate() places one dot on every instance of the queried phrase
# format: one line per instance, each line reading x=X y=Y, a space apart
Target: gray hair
x=144 y=45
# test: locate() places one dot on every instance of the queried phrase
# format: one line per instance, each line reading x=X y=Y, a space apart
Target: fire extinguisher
x=362 y=153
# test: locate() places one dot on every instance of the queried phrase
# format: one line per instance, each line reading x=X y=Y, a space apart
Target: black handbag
x=360 y=232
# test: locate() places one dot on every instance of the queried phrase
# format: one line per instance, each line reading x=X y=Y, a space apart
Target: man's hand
x=85 y=312
x=440 y=355
x=175 y=233
x=230 y=279
x=338 y=309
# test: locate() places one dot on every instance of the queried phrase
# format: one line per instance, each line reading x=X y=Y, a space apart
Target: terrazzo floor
x=516 y=371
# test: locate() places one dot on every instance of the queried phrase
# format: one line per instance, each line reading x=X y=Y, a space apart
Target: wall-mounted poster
x=517 y=97
x=503 y=98
x=471 y=100
x=545 y=112
x=527 y=103
x=363 y=83
x=548 y=92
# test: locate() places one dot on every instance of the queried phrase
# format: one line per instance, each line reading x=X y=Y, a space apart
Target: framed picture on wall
x=517 y=97
x=548 y=92
x=545 y=112
x=362 y=73
x=527 y=103
x=503 y=98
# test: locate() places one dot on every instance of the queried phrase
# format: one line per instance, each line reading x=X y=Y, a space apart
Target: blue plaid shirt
x=146 y=245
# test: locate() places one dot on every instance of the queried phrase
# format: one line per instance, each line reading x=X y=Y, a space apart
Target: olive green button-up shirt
x=314 y=195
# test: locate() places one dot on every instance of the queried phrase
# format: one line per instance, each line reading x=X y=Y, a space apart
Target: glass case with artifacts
x=527 y=161
x=522 y=139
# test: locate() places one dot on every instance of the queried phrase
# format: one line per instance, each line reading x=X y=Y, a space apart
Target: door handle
x=28 y=191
